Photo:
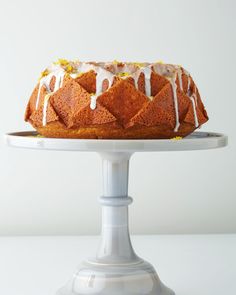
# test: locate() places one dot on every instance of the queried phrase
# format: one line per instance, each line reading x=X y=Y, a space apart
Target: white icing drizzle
x=195 y=94
x=124 y=77
x=179 y=72
x=74 y=75
x=193 y=99
x=147 y=75
x=174 y=88
x=194 y=110
x=45 y=106
x=93 y=102
x=126 y=69
x=188 y=86
x=147 y=71
x=101 y=75
x=45 y=81
x=136 y=77
x=59 y=80
x=85 y=67
x=38 y=95
x=164 y=70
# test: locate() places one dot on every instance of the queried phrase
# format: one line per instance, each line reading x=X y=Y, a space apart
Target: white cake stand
x=116 y=269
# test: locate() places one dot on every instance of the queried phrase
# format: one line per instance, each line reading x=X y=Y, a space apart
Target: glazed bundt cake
x=115 y=100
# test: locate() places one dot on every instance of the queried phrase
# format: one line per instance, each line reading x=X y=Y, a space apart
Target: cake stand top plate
x=195 y=141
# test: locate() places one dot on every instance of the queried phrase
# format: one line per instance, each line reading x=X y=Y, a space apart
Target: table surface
x=189 y=264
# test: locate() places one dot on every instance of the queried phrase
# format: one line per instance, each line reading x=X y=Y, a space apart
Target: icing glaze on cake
x=144 y=77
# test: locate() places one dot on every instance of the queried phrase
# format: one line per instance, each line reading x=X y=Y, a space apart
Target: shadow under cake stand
x=116 y=269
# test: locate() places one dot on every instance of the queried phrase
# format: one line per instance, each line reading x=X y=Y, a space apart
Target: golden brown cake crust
x=106 y=102
x=112 y=131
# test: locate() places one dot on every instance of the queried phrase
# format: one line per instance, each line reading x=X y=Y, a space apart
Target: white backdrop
x=56 y=193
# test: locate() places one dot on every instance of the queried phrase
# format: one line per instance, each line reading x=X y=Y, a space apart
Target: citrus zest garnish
x=44 y=73
x=177 y=138
x=123 y=74
x=69 y=68
x=138 y=64
x=61 y=62
x=116 y=62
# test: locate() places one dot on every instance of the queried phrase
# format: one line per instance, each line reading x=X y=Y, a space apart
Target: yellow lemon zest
x=123 y=74
x=177 y=138
x=69 y=68
x=138 y=64
x=115 y=62
x=44 y=73
x=61 y=62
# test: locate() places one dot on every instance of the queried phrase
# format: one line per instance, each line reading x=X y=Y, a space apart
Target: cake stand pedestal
x=116 y=269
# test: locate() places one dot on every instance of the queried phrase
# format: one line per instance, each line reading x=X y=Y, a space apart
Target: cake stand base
x=116 y=269
x=107 y=279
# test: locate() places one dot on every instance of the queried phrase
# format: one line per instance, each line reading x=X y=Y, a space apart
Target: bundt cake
x=114 y=100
